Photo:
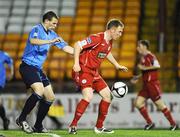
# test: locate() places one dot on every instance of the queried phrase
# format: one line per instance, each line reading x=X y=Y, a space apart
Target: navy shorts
x=31 y=74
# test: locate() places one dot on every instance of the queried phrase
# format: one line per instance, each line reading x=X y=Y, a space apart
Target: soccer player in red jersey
x=88 y=55
x=149 y=66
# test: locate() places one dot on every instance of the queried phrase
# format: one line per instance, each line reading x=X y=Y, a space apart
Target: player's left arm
x=113 y=61
x=9 y=62
x=68 y=49
x=155 y=65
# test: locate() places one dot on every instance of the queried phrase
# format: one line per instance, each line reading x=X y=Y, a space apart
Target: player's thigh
x=48 y=93
x=85 y=80
x=160 y=104
x=154 y=90
x=139 y=101
x=106 y=94
x=38 y=88
x=30 y=75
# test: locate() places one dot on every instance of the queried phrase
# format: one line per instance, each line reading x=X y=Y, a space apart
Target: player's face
x=53 y=23
x=140 y=48
x=116 y=32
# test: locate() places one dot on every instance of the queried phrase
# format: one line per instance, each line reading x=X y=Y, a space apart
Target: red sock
x=168 y=115
x=81 y=107
x=103 y=110
x=145 y=114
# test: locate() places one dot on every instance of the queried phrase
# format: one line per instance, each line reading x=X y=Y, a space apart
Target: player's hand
x=134 y=80
x=141 y=67
x=76 y=68
x=122 y=68
x=58 y=39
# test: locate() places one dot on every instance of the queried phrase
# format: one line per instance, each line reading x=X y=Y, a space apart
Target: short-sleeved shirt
x=149 y=60
x=4 y=59
x=94 y=50
x=35 y=55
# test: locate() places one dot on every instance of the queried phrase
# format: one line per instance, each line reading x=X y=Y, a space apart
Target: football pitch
x=90 y=133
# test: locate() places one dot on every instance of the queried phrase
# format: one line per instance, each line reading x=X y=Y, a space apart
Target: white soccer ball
x=119 y=89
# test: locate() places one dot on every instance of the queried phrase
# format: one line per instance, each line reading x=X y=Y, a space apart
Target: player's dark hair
x=114 y=23
x=49 y=15
x=145 y=43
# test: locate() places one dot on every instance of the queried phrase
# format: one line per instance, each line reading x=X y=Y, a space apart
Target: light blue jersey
x=35 y=55
x=4 y=59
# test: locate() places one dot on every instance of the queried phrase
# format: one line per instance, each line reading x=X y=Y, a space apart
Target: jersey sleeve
x=60 y=44
x=154 y=61
x=34 y=33
x=90 y=41
x=8 y=60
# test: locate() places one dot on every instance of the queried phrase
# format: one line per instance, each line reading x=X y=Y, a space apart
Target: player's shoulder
x=151 y=55
x=36 y=27
x=97 y=36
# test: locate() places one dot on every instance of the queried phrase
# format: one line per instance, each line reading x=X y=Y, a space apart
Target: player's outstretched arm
x=77 y=50
x=115 y=63
x=68 y=49
x=35 y=41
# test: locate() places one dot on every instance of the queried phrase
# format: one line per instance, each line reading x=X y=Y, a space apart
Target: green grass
x=90 y=133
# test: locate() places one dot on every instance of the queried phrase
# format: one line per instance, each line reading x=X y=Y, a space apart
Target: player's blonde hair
x=114 y=23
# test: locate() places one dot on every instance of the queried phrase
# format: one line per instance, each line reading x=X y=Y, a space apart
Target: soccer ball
x=119 y=89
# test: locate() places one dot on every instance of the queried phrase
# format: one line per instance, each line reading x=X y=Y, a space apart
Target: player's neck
x=45 y=27
x=107 y=36
x=146 y=52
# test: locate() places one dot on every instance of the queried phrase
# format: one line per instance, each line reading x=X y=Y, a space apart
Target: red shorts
x=89 y=78
x=151 y=90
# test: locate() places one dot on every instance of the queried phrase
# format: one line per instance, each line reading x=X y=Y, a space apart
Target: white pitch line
x=53 y=135
x=49 y=134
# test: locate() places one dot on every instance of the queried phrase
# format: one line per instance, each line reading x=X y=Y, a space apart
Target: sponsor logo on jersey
x=82 y=43
x=89 y=40
x=101 y=55
x=84 y=81
x=35 y=35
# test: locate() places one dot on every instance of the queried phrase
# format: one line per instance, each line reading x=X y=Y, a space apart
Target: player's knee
x=137 y=104
x=50 y=97
x=107 y=97
x=88 y=98
x=39 y=90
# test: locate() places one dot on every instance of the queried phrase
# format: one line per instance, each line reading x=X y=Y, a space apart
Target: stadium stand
x=78 y=19
x=150 y=20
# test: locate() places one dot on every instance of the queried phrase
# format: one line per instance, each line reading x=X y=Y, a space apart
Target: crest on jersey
x=84 y=81
x=101 y=55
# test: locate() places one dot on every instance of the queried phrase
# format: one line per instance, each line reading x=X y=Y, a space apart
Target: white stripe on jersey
x=82 y=43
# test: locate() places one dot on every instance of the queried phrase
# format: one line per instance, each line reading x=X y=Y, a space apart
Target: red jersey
x=95 y=49
x=149 y=60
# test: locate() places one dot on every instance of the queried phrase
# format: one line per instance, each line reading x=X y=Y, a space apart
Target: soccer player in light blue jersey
x=5 y=59
x=40 y=39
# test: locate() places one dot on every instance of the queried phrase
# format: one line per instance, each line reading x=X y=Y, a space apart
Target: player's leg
x=155 y=95
x=80 y=108
x=32 y=79
x=6 y=121
x=84 y=82
x=140 y=105
x=103 y=90
x=103 y=111
x=28 y=107
x=161 y=106
x=43 y=109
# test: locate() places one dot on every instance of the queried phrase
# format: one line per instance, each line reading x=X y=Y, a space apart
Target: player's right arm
x=36 y=41
x=77 y=50
x=35 y=38
x=135 y=79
